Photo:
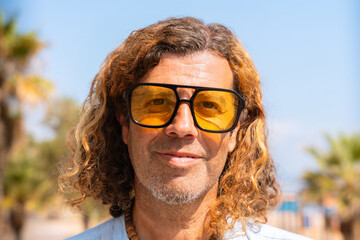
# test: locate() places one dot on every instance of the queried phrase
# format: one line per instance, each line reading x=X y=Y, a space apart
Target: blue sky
x=307 y=53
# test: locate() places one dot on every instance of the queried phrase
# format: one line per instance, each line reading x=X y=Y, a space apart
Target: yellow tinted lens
x=215 y=110
x=152 y=105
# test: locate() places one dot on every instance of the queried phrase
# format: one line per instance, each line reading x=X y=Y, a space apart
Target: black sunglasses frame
x=174 y=87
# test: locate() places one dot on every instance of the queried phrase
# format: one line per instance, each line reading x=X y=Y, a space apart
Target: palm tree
x=17 y=86
x=31 y=173
x=337 y=178
x=24 y=180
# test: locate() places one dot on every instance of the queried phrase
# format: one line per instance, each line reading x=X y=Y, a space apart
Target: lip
x=180 y=159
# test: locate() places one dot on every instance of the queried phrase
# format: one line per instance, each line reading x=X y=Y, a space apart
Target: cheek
x=219 y=153
x=139 y=140
x=213 y=140
x=217 y=143
x=218 y=148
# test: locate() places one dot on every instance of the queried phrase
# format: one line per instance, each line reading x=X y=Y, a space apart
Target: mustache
x=183 y=145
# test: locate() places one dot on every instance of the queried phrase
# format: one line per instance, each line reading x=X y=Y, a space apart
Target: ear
x=233 y=138
x=124 y=127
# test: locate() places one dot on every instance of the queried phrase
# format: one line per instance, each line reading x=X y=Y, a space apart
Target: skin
x=179 y=161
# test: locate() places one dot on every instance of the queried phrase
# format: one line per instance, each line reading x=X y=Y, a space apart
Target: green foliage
x=15 y=48
x=62 y=116
x=338 y=175
x=24 y=176
x=31 y=174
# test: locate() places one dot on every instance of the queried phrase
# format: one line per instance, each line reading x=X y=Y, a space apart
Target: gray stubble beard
x=172 y=197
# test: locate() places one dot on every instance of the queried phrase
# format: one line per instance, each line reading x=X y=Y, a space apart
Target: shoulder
x=114 y=228
x=270 y=232
x=261 y=232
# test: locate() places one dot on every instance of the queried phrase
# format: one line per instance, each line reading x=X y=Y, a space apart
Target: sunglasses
x=154 y=105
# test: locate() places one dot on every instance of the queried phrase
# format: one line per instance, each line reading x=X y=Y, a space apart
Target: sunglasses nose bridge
x=189 y=104
x=185 y=100
x=182 y=122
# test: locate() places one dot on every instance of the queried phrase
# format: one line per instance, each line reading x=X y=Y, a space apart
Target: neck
x=155 y=219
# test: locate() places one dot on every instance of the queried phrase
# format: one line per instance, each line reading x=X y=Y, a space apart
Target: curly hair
x=100 y=164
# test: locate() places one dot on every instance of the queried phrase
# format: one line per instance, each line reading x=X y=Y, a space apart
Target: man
x=173 y=138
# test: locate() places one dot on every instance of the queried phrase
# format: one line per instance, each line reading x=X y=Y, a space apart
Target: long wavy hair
x=100 y=165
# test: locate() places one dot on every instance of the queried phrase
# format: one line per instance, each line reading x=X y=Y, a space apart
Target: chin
x=175 y=198
x=179 y=194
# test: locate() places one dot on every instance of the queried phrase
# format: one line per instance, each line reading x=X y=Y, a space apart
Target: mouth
x=180 y=159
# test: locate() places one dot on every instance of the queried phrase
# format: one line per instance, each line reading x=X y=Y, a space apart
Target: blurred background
x=307 y=54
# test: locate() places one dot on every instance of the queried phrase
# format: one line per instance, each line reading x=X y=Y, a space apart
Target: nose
x=183 y=125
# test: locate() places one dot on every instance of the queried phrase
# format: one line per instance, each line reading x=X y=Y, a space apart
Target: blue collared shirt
x=114 y=229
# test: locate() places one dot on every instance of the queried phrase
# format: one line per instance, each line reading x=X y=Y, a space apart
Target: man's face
x=180 y=163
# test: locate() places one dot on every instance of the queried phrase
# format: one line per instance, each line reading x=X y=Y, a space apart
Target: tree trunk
x=346 y=228
x=2 y=152
x=17 y=218
x=3 y=158
x=11 y=129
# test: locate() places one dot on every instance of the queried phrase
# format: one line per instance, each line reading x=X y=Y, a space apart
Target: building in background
x=315 y=221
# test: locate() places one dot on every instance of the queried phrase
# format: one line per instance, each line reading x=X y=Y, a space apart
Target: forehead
x=204 y=69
